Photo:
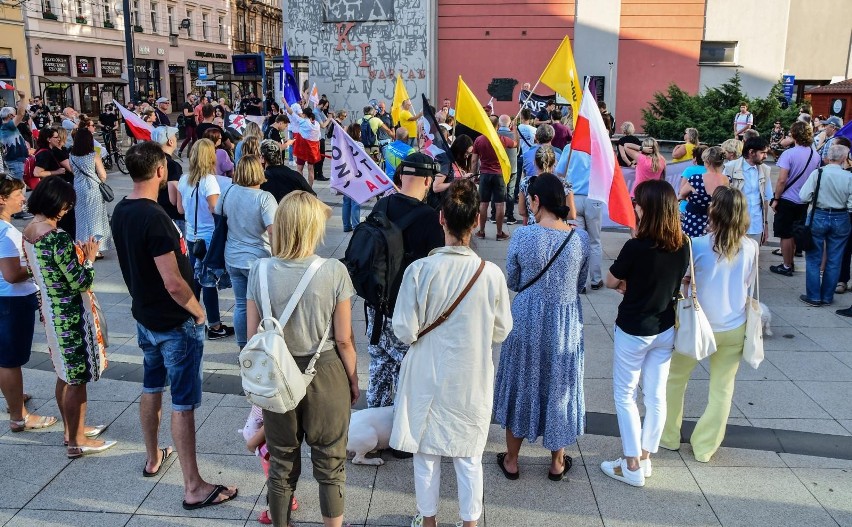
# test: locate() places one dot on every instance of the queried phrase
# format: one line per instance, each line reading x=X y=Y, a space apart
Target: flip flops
x=509 y=475
x=166 y=454
x=567 y=462
x=210 y=500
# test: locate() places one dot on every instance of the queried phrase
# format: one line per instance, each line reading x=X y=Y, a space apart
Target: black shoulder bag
x=802 y=230
x=546 y=267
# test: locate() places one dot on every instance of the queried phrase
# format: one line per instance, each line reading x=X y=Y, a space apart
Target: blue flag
x=846 y=131
x=287 y=82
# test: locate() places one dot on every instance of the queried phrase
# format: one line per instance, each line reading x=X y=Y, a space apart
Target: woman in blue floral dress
x=539 y=386
x=698 y=190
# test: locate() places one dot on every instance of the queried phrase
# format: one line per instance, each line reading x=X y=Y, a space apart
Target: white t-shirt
x=307 y=129
x=11 y=245
x=208 y=186
x=743 y=119
x=723 y=284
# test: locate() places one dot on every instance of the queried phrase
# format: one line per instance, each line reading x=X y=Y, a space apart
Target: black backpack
x=376 y=259
x=368 y=137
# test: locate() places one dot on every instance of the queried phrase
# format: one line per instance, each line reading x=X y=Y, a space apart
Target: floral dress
x=68 y=308
x=693 y=221
x=90 y=209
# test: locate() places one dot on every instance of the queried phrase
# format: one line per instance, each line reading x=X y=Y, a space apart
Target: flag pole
x=529 y=96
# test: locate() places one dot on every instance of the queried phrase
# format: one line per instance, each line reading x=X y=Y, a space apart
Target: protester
x=64 y=275
x=698 y=189
x=830 y=227
x=307 y=143
x=90 y=208
x=629 y=146
x=543 y=137
x=429 y=420
x=492 y=185
x=280 y=179
x=826 y=138
x=18 y=306
x=650 y=164
x=504 y=129
x=561 y=130
x=648 y=272
x=162 y=111
x=70 y=118
x=224 y=164
x=51 y=159
x=207 y=115
x=683 y=152
x=198 y=193
x=351 y=211
x=249 y=212
x=375 y=124
x=526 y=134
x=251 y=130
x=540 y=377
x=795 y=165
x=733 y=149
x=419 y=239
x=544 y=161
x=742 y=121
x=776 y=135
x=189 y=123
x=408 y=120
x=16 y=149
x=395 y=152
x=750 y=175
x=321 y=419
x=725 y=267
x=169 y=321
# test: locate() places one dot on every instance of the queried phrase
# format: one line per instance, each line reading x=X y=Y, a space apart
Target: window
x=221 y=29
x=718 y=53
x=204 y=26
x=251 y=29
x=79 y=9
x=170 y=11
x=136 y=19
x=154 y=26
x=241 y=29
x=46 y=6
x=107 y=13
x=189 y=29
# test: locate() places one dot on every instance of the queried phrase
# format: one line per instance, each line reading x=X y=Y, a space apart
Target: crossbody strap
x=692 y=287
x=754 y=287
x=546 y=267
x=195 y=223
x=793 y=181
x=816 y=196
x=448 y=312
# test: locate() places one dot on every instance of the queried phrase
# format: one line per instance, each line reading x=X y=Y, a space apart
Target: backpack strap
x=300 y=290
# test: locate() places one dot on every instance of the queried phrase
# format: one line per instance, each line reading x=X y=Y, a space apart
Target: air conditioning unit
x=173 y=41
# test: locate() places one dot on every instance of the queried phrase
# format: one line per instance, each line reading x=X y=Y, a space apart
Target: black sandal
x=567 y=462
x=167 y=453
x=211 y=499
x=509 y=475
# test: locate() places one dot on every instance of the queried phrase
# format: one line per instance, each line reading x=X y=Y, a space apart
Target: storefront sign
x=56 y=64
x=210 y=55
x=144 y=50
x=111 y=67
x=221 y=67
x=205 y=83
x=789 y=88
x=86 y=66
x=161 y=51
x=202 y=73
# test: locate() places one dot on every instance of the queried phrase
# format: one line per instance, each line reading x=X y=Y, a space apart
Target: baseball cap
x=418 y=164
x=161 y=134
x=162 y=100
x=834 y=121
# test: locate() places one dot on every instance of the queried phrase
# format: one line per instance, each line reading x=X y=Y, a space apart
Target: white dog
x=369 y=430
x=766 y=319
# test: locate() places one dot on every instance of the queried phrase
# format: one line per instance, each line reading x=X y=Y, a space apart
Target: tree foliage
x=712 y=112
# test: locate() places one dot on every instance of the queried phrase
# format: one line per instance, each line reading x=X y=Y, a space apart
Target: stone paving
x=804 y=385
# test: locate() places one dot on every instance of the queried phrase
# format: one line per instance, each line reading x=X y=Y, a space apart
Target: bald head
x=505 y=120
x=401 y=134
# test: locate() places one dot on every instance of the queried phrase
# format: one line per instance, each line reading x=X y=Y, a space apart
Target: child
x=255 y=438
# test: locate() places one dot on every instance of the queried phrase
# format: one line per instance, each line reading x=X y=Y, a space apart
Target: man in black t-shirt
x=280 y=179
x=108 y=121
x=188 y=111
x=250 y=105
x=418 y=240
x=545 y=115
x=153 y=258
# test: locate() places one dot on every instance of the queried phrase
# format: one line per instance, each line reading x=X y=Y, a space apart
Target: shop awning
x=229 y=77
x=56 y=80
x=99 y=80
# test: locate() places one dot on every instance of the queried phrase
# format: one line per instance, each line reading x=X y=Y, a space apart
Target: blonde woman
x=733 y=149
x=724 y=264
x=684 y=152
x=628 y=145
x=322 y=418
x=252 y=130
x=650 y=164
x=250 y=213
x=198 y=193
x=251 y=147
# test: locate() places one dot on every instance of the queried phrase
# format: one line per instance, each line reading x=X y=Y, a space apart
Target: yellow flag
x=561 y=75
x=400 y=95
x=470 y=113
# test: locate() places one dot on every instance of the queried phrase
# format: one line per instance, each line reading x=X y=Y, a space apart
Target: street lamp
x=128 y=45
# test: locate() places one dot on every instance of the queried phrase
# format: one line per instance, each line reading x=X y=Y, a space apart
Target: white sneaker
x=618 y=470
x=417 y=521
x=647 y=467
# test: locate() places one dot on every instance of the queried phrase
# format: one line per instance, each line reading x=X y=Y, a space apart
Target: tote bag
x=753 y=346
x=693 y=334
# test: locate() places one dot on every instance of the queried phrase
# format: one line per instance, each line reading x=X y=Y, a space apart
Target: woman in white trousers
x=648 y=272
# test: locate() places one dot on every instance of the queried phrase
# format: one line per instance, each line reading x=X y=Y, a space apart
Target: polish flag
x=606 y=183
x=6 y=86
x=139 y=128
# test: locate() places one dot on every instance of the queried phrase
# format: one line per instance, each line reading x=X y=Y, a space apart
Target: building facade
x=258 y=28
x=13 y=45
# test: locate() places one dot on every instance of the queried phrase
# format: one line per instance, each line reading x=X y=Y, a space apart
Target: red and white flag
x=139 y=128
x=606 y=183
x=314 y=96
x=6 y=86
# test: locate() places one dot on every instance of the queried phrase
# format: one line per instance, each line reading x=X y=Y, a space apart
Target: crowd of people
x=430 y=361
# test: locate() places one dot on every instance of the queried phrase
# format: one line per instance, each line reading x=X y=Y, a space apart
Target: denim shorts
x=173 y=357
x=17 y=325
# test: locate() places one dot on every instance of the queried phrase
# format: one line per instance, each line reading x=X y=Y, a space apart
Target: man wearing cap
x=370 y=119
x=166 y=137
x=824 y=140
x=280 y=179
x=164 y=106
x=416 y=172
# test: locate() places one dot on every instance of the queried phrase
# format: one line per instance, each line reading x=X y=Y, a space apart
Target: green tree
x=712 y=112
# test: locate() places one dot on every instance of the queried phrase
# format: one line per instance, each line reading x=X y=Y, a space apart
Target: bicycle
x=113 y=154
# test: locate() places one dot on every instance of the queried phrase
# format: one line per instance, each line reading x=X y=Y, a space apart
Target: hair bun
x=562 y=212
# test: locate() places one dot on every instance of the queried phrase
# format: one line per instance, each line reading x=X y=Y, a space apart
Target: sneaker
x=618 y=470
x=647 y=467
x=812 y=303
x=320 y=178
x=596 y=286
x=845 y=312
x=782 y=269
x=417 y=521
x=841 y=288
x=511 y=221
x=221 y=333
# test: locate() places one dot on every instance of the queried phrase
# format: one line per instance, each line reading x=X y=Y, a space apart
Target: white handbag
x=271 y=378
x=693 y=334
x=753 y=346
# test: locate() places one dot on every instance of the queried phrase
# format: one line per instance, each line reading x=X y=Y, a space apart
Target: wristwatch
x=773 y=201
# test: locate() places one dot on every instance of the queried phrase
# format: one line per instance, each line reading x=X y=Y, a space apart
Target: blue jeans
x=830 y=230
x=173 y=357
x=351 y=214
x=210 y=294
x=239 y=279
